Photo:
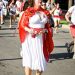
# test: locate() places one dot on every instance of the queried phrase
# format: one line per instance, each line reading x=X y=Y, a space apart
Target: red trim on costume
x=55 y=16
x=61 y=17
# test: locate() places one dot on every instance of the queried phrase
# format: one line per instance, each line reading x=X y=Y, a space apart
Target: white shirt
x=72 y=11
x=48 y=6
x=13 y=8
x=57 y=12
x=18 y=4
x=1 y=5
x=5 y=2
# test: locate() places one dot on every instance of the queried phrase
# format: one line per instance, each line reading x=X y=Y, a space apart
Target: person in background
x=12 y=13
x=56 y=16
x=43 y=5
x=48 y=5
x=36 y=38
x=1 y=13
x=5 y=7
x=5 y=2
x=71 y=14
x=25 y=6
x=19 y=4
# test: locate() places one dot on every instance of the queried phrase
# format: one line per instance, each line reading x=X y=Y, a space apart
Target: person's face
x=43 y=5
x=38 y=3
x=57 y=5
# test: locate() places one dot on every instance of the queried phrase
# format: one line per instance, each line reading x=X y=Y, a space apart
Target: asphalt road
x=10 y=61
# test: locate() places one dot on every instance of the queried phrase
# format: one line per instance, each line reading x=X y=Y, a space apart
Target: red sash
x=37 y=31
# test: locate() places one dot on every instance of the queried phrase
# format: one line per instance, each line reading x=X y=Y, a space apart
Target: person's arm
x=69 y=13
x=29 y=30
x=24 y=23
x=67 y=16
x=52 y=10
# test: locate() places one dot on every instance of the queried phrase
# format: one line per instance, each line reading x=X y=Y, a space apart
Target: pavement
x=61 y=63
x=65 y=26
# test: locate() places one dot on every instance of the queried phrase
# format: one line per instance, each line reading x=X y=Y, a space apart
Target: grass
x=63 y=22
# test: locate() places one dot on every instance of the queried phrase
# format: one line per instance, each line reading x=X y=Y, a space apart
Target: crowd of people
x=13 y=8
x=10 y=8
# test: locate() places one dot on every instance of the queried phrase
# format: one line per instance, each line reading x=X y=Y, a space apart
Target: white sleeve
x=71 y=9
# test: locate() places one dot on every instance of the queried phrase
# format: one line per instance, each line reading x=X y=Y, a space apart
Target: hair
x=26 y=5
x=44 y=1
x=31 y=3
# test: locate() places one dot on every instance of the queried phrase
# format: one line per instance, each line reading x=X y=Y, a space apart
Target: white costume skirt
x=32 y=53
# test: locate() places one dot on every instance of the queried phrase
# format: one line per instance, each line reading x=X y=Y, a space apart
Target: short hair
x=31 y=3
x=26 y=4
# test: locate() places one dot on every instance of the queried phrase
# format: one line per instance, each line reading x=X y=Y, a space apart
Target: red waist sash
x=36 y=31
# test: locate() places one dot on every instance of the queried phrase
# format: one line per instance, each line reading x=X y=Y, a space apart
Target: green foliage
x=63 y=22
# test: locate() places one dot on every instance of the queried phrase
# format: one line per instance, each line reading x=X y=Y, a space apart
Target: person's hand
x=43 y=31
x=31 y=31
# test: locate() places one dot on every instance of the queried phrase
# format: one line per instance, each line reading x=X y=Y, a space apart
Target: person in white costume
x=33 y=26
x=1 y=12
x=48 y=5
x=5 y=2
x=56 y=17
x=18 y=6
x=71 y=13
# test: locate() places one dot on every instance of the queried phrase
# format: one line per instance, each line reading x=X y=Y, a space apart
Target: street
x=10 y=60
